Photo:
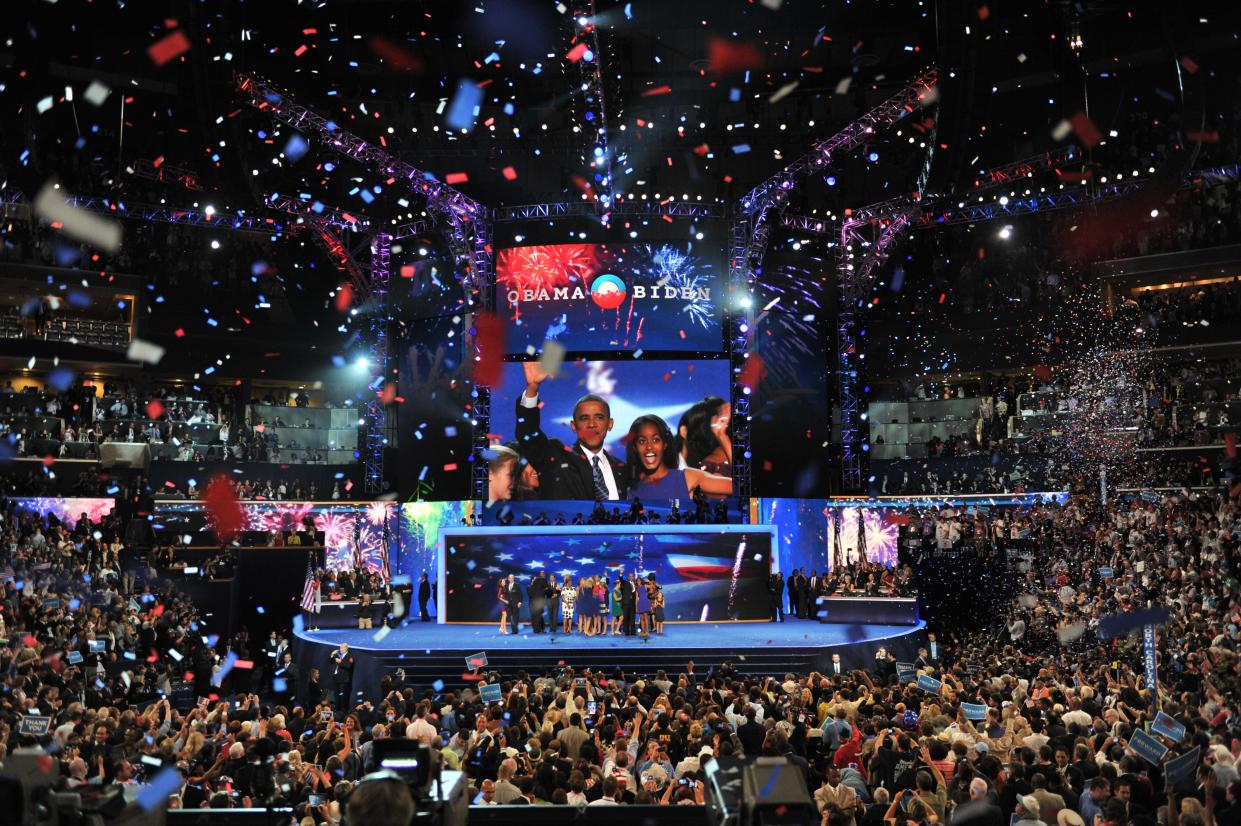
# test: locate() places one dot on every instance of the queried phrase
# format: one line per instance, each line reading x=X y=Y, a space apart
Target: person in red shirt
x=848 y=756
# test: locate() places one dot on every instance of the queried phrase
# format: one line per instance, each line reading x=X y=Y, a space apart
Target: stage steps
x=423 y=669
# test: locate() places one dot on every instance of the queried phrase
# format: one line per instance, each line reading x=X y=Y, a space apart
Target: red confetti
x=407 y=271
x=174 y=45
x=1189 y=65
x=179 y=333
x=456 y=178
x=226 y=513
x=983 y=12
x=1086 y=130
x=395 y=56
x=301 y=50
x=726 y=56
x=753 y=372
x=575 y=54
x=1230 y=445
x=387 y=394
x=243 y=664
x=489 y=338
x=155 y=409
x=510 y=174
x=344 y=298
x=658 y=90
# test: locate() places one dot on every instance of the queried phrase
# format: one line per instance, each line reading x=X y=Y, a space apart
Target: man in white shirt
x=420 y=729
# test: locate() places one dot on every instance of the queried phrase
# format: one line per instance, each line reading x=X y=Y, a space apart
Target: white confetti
x=553 y=357
x=842 y=88
x=96 y=93
x=147 y=351
x=45 y=104
x=1062 y=130
x=51 y=206
x=783 y=92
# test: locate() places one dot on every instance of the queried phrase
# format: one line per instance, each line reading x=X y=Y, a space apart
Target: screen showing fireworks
x=600 y=297
x=689 y=394
x=706 y=573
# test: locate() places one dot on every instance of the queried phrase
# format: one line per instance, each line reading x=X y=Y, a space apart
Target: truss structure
x=592 y=209
x=378 y=432
x=598 y=155
x=858 y=259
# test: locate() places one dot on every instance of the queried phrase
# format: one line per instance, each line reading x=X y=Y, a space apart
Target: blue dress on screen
x=672 y=486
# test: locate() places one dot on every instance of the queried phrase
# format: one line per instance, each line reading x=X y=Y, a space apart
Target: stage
x=429 y=652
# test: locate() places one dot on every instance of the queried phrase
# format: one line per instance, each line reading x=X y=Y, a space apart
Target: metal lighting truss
x=376 y=414
x=196 y=217
x=469 y=222
x=857 y=261
x=748 y=241
x=590 y=64
x=1026 y=168
x=586 y=209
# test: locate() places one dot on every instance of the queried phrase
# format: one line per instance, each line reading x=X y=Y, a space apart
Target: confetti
x=552 y=358
x=97 y=93
x=52 y=207
x=146 y=351
x=463 y=111
x=172 y=46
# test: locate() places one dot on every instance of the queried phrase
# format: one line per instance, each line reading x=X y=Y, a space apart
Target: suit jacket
x=628 y=595
x=538 y=592
x=752 y=734
x=564 y=472
x=842 y=798
x=513 y=595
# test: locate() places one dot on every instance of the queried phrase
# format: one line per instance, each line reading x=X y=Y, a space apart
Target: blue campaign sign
x=974 y=711
x=1106 y=572
x=1147 y=747
x=928 y=683
x=75 y=657
x=490 y=693
x=1167 y=726
x=1148 y=661
x=906 y=673
x=1181 y=768
x=476 y=661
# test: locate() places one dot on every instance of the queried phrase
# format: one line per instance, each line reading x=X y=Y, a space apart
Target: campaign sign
x=97 y=646
x=974 y=711
x=75 y=657
x=476 y=661
x=928 y=683
x=1147 y=747
x=1168 y=726
x=35 y=725
x=1106 y=572
x=906 y=673
x=1181 y=768
x=490 y=693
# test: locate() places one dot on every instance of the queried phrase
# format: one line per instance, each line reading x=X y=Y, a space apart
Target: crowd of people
x=117 y=659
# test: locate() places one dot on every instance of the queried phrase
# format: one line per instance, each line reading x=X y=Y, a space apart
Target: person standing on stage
x=424 y=596
x=776 y=588
x=538 y=598
x=614 y=600
x=644 y=609
x=629 y=598
x=568 y=603
x=553 y=603
x=657 y=604
x=342 y=675
x=584 y=471
x=502 y=598
x=513 y=593
x=601 y=599
x=794 y=589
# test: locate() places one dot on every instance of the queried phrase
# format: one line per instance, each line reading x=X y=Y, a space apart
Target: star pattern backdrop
x=707 y=572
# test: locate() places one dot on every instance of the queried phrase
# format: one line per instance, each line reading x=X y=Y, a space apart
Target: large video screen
x=707 y=572
x=600 y=297
x=547 y=438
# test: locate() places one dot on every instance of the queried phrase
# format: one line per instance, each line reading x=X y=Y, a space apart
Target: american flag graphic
x=310 y=591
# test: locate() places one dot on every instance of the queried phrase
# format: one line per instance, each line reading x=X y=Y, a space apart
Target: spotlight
x=1006 y=233
x=1154 y=213
x=363 y=363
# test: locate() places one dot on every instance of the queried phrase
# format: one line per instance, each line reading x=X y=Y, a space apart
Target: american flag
x=310 y=591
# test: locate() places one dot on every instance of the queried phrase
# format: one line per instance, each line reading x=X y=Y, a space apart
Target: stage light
x=1006 y=233
x=363 y=363
x=873 y=156
x=1003 y=200
x=215 y=245
x=1154 y=213
x=831 y=180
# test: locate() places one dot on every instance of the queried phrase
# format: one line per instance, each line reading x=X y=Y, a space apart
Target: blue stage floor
x=732 y=636
x=431 y=655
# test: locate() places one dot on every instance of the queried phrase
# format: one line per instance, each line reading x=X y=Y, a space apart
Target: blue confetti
x=162 y=786
x=296 y=147
x=462 y=112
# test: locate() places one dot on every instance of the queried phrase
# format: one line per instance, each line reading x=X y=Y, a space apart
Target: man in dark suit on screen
x=582 y=471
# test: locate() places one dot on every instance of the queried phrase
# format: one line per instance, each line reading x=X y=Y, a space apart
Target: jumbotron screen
x=609 y=297
x=689 y=394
